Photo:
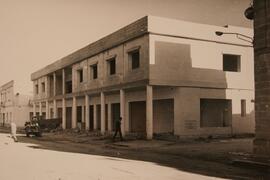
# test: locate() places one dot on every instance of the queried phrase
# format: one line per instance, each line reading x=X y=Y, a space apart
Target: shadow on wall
x=202 y=103
x=173 y=67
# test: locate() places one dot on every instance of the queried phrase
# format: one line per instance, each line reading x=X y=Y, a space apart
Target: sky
x=35 y=33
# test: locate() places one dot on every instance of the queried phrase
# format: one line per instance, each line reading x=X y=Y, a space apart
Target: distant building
x=160 y=75
x=14 y=107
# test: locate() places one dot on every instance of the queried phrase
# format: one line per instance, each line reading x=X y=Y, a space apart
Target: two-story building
x=14 y=107
x=160 y=75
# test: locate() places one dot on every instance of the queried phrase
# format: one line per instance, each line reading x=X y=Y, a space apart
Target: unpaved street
x=21 y=161
x=69 y=155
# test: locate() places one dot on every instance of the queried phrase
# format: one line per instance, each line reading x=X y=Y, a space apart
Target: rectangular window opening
x=36 y=89
x=80 y=75
x=134 y=57
x=111 y=66
x=94 y=71
x=69 y=87
x=231 y=63
x=43 y=87
x=68 y=80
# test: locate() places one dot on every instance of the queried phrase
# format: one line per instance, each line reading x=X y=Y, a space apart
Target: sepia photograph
x=134 y=89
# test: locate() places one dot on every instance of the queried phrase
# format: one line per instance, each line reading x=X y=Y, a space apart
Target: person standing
x=118 y=128
x=14 y=131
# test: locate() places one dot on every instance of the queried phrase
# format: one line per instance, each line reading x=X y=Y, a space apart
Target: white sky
x=35 y=33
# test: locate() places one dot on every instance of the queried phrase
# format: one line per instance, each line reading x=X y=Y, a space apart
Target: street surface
x=25 y=161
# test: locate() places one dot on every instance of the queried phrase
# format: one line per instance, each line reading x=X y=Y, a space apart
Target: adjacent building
x=14 y=107
x=161 y=75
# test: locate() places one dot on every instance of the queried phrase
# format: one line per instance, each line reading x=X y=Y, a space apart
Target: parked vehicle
x=32 y=127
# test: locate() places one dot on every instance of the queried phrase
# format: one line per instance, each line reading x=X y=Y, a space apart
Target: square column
x=86 y=112
x=54 y=84
x=102 y=102
x=122 y=111
x=74 y=112
x=47 y=110
x=149 y=112
x=34 y=109
x=83 y=114
x=63 y=81
x=109 y=117
x=54 y=109
x=47 y=87
x=95 y=117
x=40 y=108
x=64 y=114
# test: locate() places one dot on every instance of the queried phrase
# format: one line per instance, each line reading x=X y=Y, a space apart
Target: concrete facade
x=164 y=72
x=14 y=107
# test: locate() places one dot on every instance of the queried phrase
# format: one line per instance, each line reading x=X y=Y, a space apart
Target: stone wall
x=262 y=76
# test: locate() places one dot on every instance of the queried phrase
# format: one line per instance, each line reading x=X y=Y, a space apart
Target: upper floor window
x=111 y=66
x=134 y=58
x=69 y=87
x=231 y=62
x=8 y=96
x=80 y=75
x=43 y=86
x=36 y=88
x=3 y=97
x=94 y=71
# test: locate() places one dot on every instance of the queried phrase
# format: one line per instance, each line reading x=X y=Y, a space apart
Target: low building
x=160 y=75
x=14 y=107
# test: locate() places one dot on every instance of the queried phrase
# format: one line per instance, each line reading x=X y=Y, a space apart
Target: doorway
x=91 y=117
x=137 y=116
x=68 y=117
x=115 y=114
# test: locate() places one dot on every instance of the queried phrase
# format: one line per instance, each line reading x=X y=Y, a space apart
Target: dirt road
x=22 y=161
x=82 y=157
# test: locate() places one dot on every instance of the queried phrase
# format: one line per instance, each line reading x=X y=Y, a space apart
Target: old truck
x=32 y=127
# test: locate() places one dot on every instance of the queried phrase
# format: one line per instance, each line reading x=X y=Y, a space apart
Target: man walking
x=118 y=128
x=14 y=131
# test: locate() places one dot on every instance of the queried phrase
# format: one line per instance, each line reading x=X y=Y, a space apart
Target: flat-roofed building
x=160 y=75
x=14 y=107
